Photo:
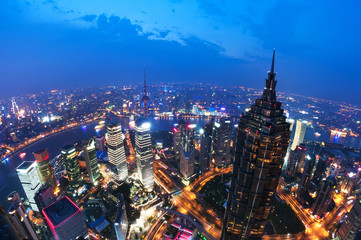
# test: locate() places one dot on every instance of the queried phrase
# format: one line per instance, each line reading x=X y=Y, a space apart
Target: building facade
x=72 y=166
x=30 y=181
x=45 y=168
x=116 y=153
x=262 y=140
x=91 y=160
x=144 y=154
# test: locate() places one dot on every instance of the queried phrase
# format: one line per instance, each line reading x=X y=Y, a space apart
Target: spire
x=273 y=62
x=269 y=93
x=145 y=84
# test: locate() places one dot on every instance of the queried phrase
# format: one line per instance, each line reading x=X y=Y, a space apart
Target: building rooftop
x=59 y=211
x=25 y=165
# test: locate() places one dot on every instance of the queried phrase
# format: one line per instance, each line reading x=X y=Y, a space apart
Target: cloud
x=218 y=23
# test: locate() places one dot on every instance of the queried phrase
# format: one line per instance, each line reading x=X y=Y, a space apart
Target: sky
x=52 y=44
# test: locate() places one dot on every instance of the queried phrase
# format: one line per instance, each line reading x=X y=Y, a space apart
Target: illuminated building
x=319 y=172
x=19 y=219
x=306 y=175
x=116 y=153
x=324 y=197
x=299 y=134
x=91 y=160
x=195 y=109
x=221 y=147
x=351 y=223
x=121 y=220
x=296 y=161
x=144 y=154
x=71 y=165
x=45 y=168
x=184 y=147
x=145 y=99
x=45 y=196
x=262 y=140
x=30 y=181
x=65 y=220
x=100 y=143
x=205 y=148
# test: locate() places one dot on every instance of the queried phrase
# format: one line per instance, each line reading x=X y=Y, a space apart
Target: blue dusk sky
x=49 y=44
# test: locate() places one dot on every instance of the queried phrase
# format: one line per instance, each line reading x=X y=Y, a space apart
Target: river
x=10 y=182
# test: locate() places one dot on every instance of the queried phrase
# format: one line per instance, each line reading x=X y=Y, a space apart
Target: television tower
x=145 y=98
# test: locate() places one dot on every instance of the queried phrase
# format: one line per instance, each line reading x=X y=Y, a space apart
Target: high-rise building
x=351 y=223
x=91 y=160
x=100 y=143
x=262 y=140
x=30 y=181
x=65 y=220
x=221 y=147
x=205 y=148
x=184 y=147
x=195 y=109
x=324 y=197
x=306 y=175
x=321 y=167
x=45 y=196
x=19 y=218
x=7 y=230
x=116 y=153
x=299 y=133
x=72 y=165
x=143 y=152
x=296 y=161
x=121 y=220
x=45 y=168
x=145 y=99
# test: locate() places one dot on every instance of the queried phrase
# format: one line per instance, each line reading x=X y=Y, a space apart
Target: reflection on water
x=10 y=182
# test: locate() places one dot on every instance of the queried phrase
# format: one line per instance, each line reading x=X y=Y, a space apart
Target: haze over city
x=180 y=120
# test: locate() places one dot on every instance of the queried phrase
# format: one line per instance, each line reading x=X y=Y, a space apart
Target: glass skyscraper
x=144 y=155
x=72 y=165
x=262 y=140
x=116 y=153
x=91 y=160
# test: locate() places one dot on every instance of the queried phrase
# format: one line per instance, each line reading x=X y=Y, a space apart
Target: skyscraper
x=145 y=99
x=116 y=153
x=30 y=181
x=296 y=161
x=45 y=196
x=306 y=175
x=299 y=133
x=65 y=220
x=45 y=168
x=121 y=220
x=262 y=140
x=221 y=147
x=184 y=147
x=19 y=219
x=91 y=160
x=351 y=223
x=205 y=148
x=324 y=197
x=144 y=154
x=71 y=165
x=100 y=143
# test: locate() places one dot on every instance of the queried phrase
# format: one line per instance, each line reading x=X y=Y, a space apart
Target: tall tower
x=19 y=219
x=72 y=165
x=30 y=180
x=299 y=134
x=352 y=222
x=45 y=168
x=144 y=154
x=145 y=98
x=116 y=153
x=262 y=140
x=221 y=147
x=324 y=197
x=205 y=149
x=91 y=160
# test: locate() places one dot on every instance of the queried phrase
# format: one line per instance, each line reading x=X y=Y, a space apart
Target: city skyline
x=106 y=45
